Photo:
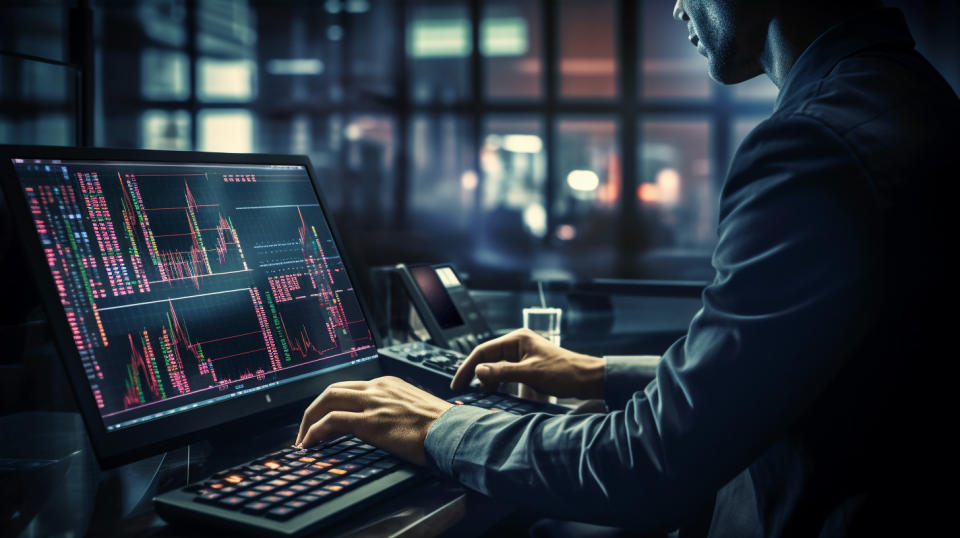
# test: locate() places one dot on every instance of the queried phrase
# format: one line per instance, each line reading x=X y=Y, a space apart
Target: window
x=670 y=67
x=588 y=62
x=581 y=138
x=512 y=47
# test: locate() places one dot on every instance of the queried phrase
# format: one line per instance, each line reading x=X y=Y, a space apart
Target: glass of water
x=544 y=321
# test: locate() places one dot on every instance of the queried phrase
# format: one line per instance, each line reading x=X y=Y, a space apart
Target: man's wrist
x=592 y=375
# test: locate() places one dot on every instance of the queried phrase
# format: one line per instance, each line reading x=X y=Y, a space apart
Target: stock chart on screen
x=188 y=284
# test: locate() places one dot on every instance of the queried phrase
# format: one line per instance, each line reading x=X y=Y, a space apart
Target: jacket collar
x=878 y=27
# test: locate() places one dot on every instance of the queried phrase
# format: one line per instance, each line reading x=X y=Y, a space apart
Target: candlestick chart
x=183 y=284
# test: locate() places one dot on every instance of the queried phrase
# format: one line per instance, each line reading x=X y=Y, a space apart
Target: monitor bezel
x=255 y=410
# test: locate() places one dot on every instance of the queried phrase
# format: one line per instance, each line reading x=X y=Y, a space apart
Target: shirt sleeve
x=786 y=307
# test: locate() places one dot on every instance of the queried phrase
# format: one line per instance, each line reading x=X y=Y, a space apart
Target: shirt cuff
x=444 y=436
x=625 y=375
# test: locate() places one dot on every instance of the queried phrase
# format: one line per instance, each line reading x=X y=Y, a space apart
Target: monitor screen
x=436 y=295
x=185 y=285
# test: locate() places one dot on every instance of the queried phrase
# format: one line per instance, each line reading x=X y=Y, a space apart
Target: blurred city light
x=295 y=66
x=668 y=183
x=583 y=180
x=535 y=219
x=468 y=180
x=522 y=143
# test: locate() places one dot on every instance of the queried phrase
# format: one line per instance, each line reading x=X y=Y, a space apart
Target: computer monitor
x=186 y=290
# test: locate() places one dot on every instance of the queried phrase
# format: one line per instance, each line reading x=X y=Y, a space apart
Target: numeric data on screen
x=184 y=285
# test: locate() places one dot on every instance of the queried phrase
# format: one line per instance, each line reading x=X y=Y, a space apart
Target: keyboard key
x=290 y=477
x=208 y=497
x=285 y=493
x=280 y=512
x=296 y=504
x=309 y=499
x=249 y=494
x=347 y=482
x=307 y=471
x=312 y=482
x=363 y=474
x=335 y=488
x=257 y=507
x=272 y=464
x=233 y=501
x=273 y=499
x=235 y=478
x=264 y=488
x=338 y=471
x=322 y=493
x=299 y=488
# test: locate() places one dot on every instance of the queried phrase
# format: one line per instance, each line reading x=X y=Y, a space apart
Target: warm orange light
x=271 y=464
x=566 y=232
x=337 y=471
x=307 y=459
x=648 y=192
x=234 y=479
x=668 y=182
x=469 y=180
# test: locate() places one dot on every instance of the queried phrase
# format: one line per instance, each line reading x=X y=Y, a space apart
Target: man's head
x=735 y=35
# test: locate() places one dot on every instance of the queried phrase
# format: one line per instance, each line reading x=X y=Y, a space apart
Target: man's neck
x=785 y=43
x=795 y=27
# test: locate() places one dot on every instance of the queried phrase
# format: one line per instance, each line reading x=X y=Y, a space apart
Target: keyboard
x=293 y=491
x=423 y=364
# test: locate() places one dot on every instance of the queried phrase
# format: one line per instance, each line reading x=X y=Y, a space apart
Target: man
x=806 y=398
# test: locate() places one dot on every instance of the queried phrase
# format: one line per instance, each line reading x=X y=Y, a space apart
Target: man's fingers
x=333 y=424
x=492 y=374
x=337 y=397
x=504 y=348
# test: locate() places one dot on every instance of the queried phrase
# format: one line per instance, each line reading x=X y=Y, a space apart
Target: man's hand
x=387 y=412
x=526 y=357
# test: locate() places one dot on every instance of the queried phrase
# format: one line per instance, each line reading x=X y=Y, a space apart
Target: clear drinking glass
x=545 y=321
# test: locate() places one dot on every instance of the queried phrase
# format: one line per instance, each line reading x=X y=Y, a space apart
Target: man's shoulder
x=872 y=87
x=891 y=110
